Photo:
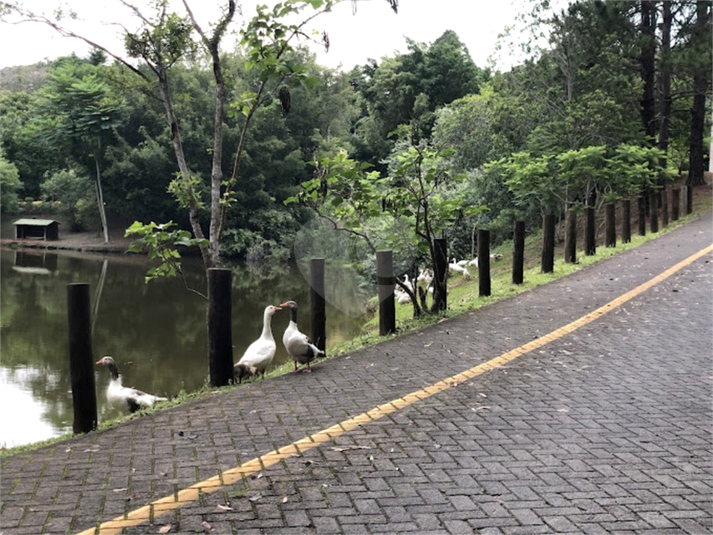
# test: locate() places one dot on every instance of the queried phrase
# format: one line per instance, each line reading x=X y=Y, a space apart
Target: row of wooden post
x=610 y=235
x=384 y=261
x=220 y=345
x=386 y=280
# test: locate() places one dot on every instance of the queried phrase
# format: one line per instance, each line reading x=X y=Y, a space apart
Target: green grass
x=462 y=298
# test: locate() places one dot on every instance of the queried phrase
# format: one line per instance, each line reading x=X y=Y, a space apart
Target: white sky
x=373 y=32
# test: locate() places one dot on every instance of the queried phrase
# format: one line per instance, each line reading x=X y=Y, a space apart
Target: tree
x=9 y=186
x=23 y=142
x=584 y=177
x=424 y=189
x=72 y=190
x=165 y=39
x=85 y=116
x=647 y=61
x=701 y=82
x=420 y=194
x=665 y=69
x=410 y=88
x=466 y=126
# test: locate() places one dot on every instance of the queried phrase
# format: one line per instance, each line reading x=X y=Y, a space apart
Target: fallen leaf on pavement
x=345 y=448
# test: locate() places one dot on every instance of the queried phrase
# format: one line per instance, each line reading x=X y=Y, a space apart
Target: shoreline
x=65 y=245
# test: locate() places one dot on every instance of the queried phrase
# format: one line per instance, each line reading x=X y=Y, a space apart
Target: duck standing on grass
x=123 y=397
x=297 y=344
x=259 y=354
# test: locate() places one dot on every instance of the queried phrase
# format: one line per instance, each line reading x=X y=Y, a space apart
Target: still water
x=155 y=332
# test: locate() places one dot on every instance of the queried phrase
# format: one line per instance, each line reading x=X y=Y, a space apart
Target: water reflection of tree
x=28 y=341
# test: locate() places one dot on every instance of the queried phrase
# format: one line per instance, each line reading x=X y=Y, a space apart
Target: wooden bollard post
x=483 y=263
x=610 y=225
x=570 y=237
x=518 y=252
x=654 y=217
x=664 y=207
x=626 y=221
x=590 y=232
x=548 y=243
x=81 y=362
x=220 y=327
x=642 y=215
x=440 y=277
x=689 y=198
x=385 y=286
x=318 y=309
x=675 y=203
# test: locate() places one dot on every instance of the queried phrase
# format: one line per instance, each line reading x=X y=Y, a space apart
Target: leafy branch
x=161 y=242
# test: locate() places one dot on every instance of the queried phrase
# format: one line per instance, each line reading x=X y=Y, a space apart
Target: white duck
x=402 y=298
x=425 y=278
x=123 y=397
x=407 y=282
x=453 y=267
x=402 y=295
x=493 y=256
x=259 y=354
x=298 y=344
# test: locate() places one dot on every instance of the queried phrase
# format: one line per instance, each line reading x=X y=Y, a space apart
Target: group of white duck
x=461 y=266
x=258 y=356
x=255 y=361
x=424 y=280
x=425 y=277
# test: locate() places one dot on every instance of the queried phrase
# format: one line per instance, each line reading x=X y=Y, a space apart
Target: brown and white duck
x=124 y=397
x=298 y=344
x=259 y=354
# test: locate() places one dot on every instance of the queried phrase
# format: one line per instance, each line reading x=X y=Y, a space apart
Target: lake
x=155 y=332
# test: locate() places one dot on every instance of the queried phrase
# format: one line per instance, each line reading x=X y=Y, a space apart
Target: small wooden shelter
x=44 y=229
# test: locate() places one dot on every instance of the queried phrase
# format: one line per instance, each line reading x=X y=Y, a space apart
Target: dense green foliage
x=9 y=186
x=73 y=194
x=565 y=126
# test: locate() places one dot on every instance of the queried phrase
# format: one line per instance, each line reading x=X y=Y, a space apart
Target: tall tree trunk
x=700 y=86
x=212 y=44
x=216 y=175
x=185 y=174
x=665 y=70
x=100 y=201
x=647 y=62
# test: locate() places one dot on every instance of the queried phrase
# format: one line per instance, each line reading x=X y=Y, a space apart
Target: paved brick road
x=604 y=430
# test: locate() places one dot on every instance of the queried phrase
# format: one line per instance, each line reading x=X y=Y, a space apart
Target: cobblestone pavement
x=604 y=429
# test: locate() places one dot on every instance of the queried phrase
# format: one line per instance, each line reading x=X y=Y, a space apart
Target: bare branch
x=186 y=286
x=339 y=228
x=29 y=16
x=138 y=13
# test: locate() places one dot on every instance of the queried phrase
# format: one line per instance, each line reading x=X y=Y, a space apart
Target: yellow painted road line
x=191 y=494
